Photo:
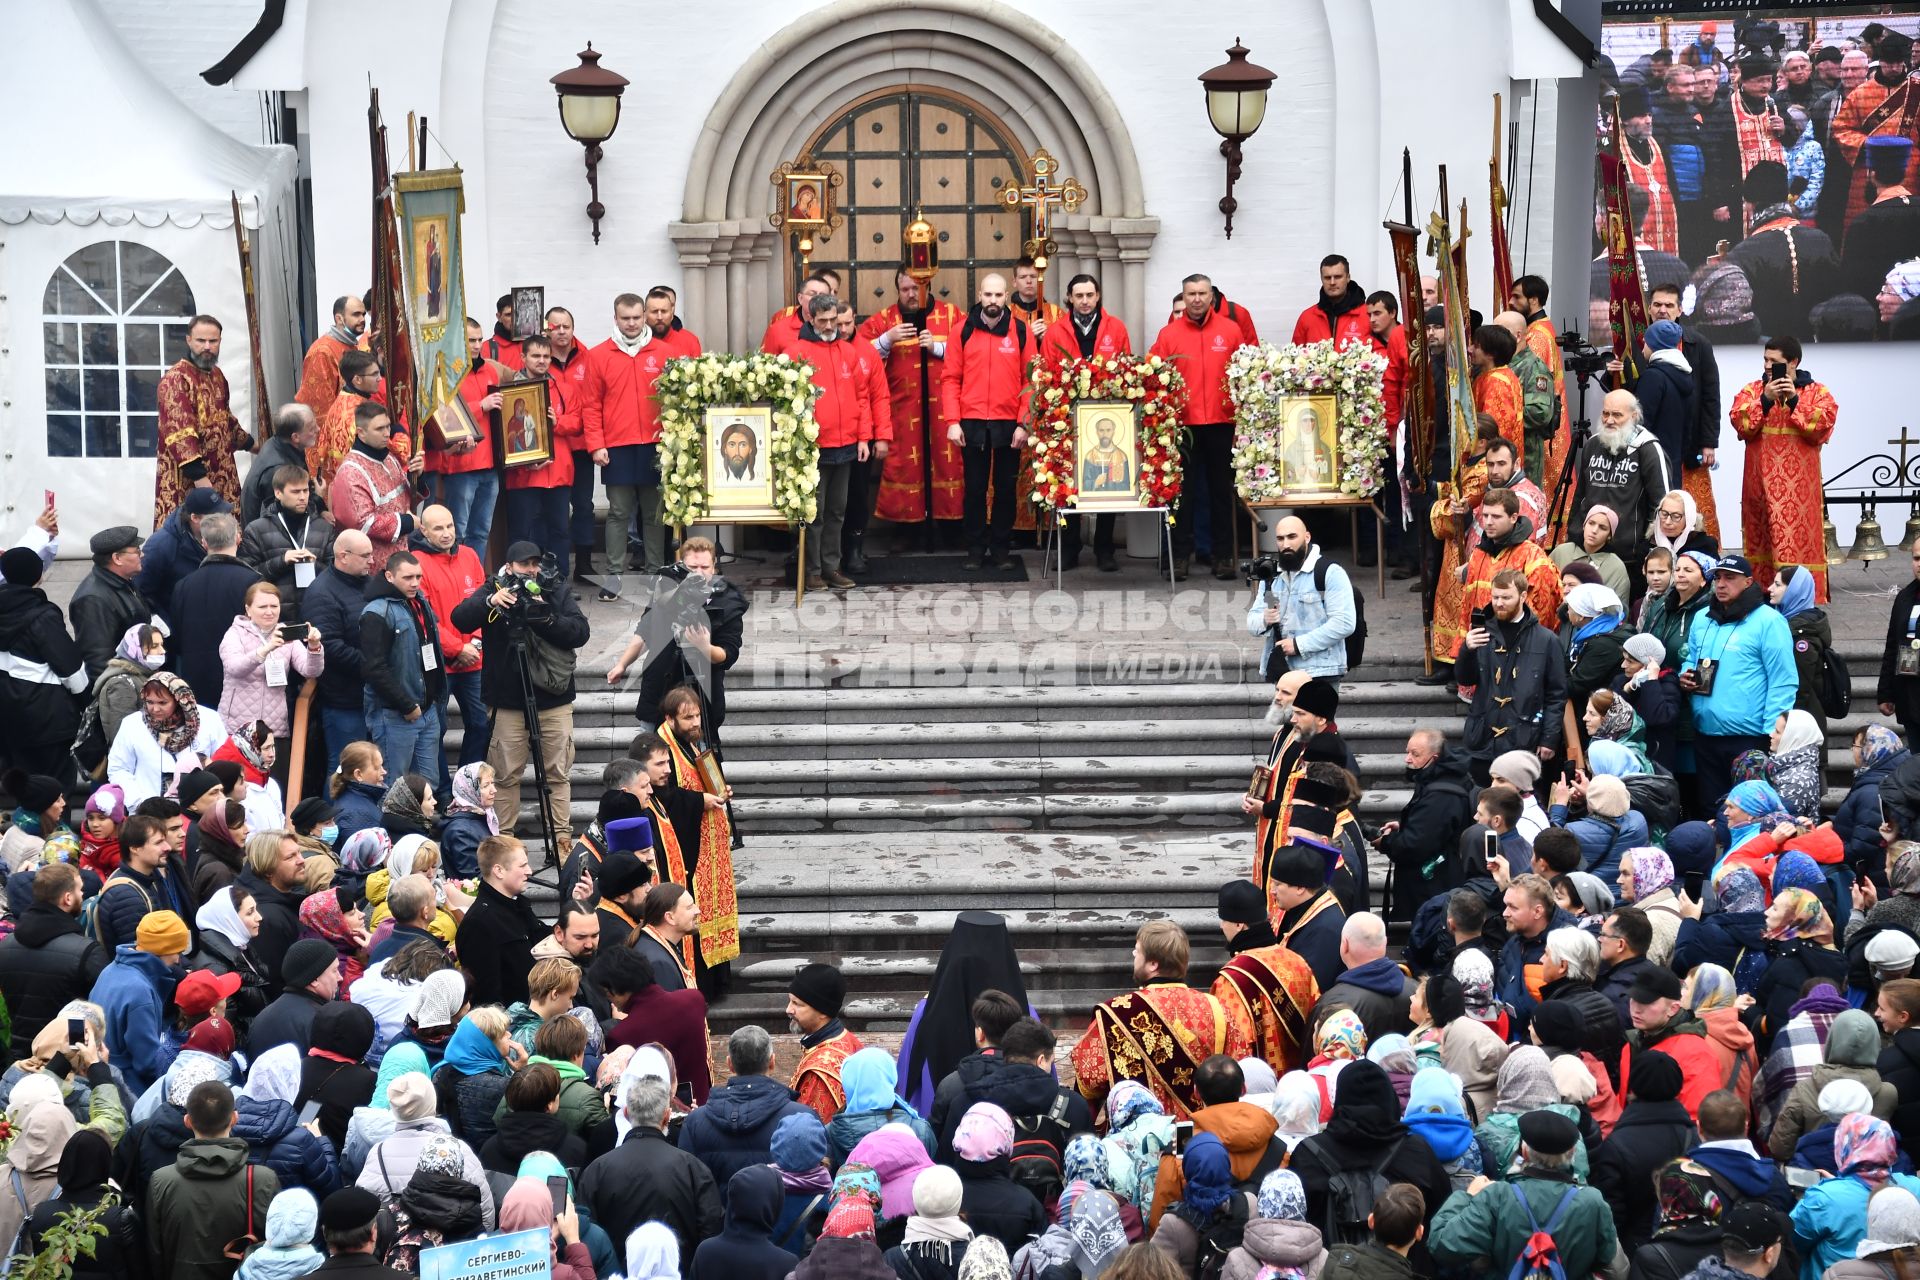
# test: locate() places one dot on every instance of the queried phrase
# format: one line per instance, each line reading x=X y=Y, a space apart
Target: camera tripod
x=517 y=645
x=1560 y=501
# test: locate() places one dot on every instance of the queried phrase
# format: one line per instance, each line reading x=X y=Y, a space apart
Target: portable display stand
x=1074 y=513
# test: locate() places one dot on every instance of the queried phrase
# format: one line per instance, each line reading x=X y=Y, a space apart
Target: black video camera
x=1582 y=359
x=532 y=596
x=1264 y=570
x=680 y=595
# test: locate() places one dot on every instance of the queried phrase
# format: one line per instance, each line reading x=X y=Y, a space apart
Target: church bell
x=1913 y=528
x=1835 y=556
x=1867 y=542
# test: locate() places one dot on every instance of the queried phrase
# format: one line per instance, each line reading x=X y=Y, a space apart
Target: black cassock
x=1882 y=234
x=1792 y=270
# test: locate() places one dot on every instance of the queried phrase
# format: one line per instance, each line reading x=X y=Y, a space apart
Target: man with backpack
x=1246 y=1131
x=1540 y=1224
x=210 y=1202
x=1019 y=1079
x=1307 y=611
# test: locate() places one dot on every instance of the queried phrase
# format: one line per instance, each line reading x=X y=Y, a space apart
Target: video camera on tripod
x=1582 y=359
x=531 y=595
x=679 y=596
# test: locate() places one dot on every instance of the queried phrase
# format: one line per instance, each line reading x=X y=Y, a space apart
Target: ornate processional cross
x=1041 y=195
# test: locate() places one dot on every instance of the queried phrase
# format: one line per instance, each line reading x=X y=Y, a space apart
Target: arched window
x=115 y=317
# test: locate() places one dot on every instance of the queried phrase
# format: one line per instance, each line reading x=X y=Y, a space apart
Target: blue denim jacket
x=406 y=639
x=1319 y=625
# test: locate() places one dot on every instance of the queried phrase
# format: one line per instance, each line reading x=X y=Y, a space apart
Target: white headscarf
x=400 y=863
x=218 y=915
x=275 y=1076
x=1801 y=730
x=29 y=1092
x=1692 y=509
x=1296 y=1106
x=1591 y=600
x=648 y=1060
x=653 y=1253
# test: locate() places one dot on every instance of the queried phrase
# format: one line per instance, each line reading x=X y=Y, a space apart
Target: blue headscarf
x=870 y=1078
x=1209 y=1172
x=1878 y=745
x=543 y=1165
x=1605 y=756
x=402 y=1059
x=1739 y=890
x=1085 y=1160
x=1796 y=870
x=1797 y=596
x=1758 y=800
x=470 y=1052
x=1435 y=1112
x=293 y=1219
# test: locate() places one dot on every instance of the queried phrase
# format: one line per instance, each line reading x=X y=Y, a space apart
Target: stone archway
x=813 y=68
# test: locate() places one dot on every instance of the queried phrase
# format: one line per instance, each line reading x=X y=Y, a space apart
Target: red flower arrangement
x=1148 y=381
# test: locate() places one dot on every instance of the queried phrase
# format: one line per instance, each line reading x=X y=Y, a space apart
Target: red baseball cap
x=200 y=990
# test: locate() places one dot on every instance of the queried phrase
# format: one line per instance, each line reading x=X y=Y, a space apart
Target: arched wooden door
x=904 y=150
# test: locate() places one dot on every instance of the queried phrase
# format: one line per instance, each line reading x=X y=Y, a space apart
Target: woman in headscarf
x=978 y=956
x=1892 y=1242
x=1710 y=992
x=1473 y=1041
x=1900 y=909
x=1595 y=533
x=228 y=922
x=116 y=691
x=937 y=1236
x=869 y=1079
x=986 y=1259
x=364 y=852
x=334 y=917
x=847 y=1248
x=223 y=833
x=470 y=819
x=1734 y=937
x=1594 y=643
x=1437 y=1114
x=1278 y=1241
x=1259 y=1079
x=333 y=1074
x=437 y=1196
x=528 y=1206
x=1676 y=525
x=1686 y=1222
x=1646 y=881
x=653 y=1253
x=1098 y=1237
x=1611 y=718
x=996 y=1205
x=1798 y=764
x=1877 y=751
x=1792 y=594
x=1339 y=1040
x=253 y=750
x=1799 y=947
x=1831 y=1218
x=1526 y=1084
x=894 y=1156
x=1852 y=1050
x=172 y=736
x=41 y=1131
x=1139 y=1132
x=374 y=1123
x=1752 y=810
x=1394 y=1053
x=1296 y=1108
x=408 y=808
x=1084 y=1166
x=1208 y=1201
x=287 y=1252
x=479 y=1059
x=85 y=1178
x=1364 y=1127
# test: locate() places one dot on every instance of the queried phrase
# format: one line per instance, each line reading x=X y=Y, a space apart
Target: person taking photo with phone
x=1783 y=418
x=1518 y=671
x=259 y=653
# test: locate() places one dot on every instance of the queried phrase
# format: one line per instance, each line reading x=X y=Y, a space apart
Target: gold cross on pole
x=1041 y=195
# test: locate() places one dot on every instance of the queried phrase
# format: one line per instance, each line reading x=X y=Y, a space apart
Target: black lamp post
x=590 y=112
x=1236 y=103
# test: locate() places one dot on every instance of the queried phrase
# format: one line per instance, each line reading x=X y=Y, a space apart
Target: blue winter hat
x=1663 y=335
x=799 y=1143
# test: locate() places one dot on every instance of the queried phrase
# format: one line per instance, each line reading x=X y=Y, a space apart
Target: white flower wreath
x=1261 y=378
x=690 y=385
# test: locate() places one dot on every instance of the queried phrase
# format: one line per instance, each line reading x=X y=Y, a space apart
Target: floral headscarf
x=1525 y=1082
x=275 y=1076
x=1687 y=1195
x=1085 y=1160
x=1652 y=871
x=1877 y=745
x=1342 y=1035
x=1283 y=1196
x=321 y=917
x=1618 y=722
x=366 y=850
x=1796 y=870
x=985 y=1133
x=442 y=1153
x=1474 y=971
x=1712 y=988
x=402 y=804
x=985 y=1259
x=1739 y=890
x=251 y=742
x=1749 y=766
x=1864 y=1147
x=1098 y=1233
x=1804 y=917
x=1904 y=877
x=1127 y=1102
x=857 y=1181
x=177 y=734
x=466 y=796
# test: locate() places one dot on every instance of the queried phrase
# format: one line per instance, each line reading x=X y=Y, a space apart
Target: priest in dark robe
x=1791 y=267
x=623 y=883
x=1268 y=984
x=1310 y=917
x=1887 y=230
x=977 y=957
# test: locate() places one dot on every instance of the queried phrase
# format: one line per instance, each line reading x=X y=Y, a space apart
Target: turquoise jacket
x=1756 y=679
x=1831 y=1219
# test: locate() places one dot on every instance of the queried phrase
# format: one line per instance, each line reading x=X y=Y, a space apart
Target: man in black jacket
x=648 y=1179
x=289 y=542
x=333 y=605
x=311 y=972
x=42 y=671
x=526 y=610
x=348 y=1219
x=1653 y=1129
x=205 y=603
x=47 y=960
x=1019 y=1079
x=404 y=671
x=1441 y=808
x=498 y=933
x=295 y=430
x=1518 y=670
x=1624 y=938
x=734 y=1128
x=1666 y=392
x=679 y=650
x=106 y=602
x=1703 y=433
x=275 y=881
x=1899 y=689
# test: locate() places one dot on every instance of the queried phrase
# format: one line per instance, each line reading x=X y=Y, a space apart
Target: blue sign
x=520 y=1255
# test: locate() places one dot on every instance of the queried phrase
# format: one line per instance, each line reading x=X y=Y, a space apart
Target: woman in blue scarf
x=1792 y=594
x=1596 y=644
x=1753 y=808
x=1436 y=1113
x=1208 y=1199
x=871 y=1079
x=475 y=1066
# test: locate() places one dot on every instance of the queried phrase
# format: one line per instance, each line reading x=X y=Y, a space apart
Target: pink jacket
x=246 y=697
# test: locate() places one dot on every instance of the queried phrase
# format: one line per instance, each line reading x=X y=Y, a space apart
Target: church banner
x=429 y=203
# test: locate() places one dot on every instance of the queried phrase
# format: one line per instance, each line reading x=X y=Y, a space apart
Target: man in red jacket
x=537 y=495
x=860 y=490
x=1340 y=313
x=568 y=367
x=983 y=397
x=845 y=418
x=1200 y=341
x=1088 y=332
x=1389 y=339
x=467 y=483
x=621 y=422
x=450 y=572
x=788 y=323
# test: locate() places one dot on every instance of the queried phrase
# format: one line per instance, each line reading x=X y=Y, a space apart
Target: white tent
x=116 y=223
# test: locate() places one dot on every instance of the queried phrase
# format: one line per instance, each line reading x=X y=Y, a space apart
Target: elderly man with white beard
x=1623 y=468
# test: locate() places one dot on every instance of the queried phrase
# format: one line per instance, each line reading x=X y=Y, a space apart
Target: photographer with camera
x=531 y=628
x=690 y=632
x=1304 y=607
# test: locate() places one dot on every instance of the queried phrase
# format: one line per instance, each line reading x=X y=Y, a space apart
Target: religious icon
x=526 y=423
x=451 y=424
x=1106 y=452
x=1310 y=444
x=739 y=471
x=529 y=310
x=430 y=241
x=806 y=199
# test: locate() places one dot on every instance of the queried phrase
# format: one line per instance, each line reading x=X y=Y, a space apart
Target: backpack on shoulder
x=1036 y=1162
x=1540 y=1258
x=1836 y=684
x=1357 y=642
x=409 y=1238
x=1221 y=1238
x=1350 y=1197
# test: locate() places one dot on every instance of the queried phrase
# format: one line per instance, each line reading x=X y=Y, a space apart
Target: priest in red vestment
x=1884 y=104
x=1264 y=984
x=710 y=844
x=198 y=433
x=911 y=336
x=1496 y=388
x=1161 y=1032
x=1783 y=422
x=814 y=1000
x=320 y=375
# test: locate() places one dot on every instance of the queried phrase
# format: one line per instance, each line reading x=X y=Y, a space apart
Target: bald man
x=1307 y=612
x=332 y=604
x=450 y=573
x=1540 y=402
x=1372 y=985
x=983 y=400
